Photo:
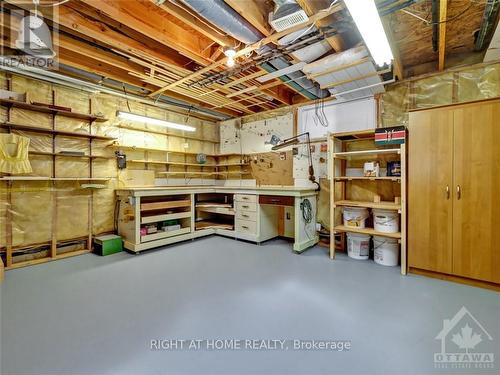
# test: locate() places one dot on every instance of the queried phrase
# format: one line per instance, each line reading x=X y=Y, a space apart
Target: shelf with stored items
x=154 y=149
x=26 y=254
x=368 y=192
x=188 y=164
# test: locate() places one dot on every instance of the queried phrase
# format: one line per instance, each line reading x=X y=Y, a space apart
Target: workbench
x=253 y=214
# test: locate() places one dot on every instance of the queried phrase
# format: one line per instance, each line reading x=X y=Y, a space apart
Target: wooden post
x=331 y=150
x=8 y=208
x=8 y=225
x=91 y=193
x=54 y=195
x=404 y=267
x=2 y=275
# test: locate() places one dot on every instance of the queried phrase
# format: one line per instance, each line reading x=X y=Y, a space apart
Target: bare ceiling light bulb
x=230 y=54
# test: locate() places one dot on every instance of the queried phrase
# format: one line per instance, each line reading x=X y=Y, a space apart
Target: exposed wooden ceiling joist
x=196 y=23
x=443 y=9
x=144 y=18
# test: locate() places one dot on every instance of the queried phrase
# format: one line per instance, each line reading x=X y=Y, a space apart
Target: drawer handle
x=245 y=198
x=246 y=206
x=244 y=215
x=244 y=227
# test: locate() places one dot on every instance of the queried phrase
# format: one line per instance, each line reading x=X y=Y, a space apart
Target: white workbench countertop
x=274 y=189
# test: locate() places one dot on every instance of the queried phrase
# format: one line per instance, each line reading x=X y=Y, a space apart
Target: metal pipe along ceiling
x=228 y=20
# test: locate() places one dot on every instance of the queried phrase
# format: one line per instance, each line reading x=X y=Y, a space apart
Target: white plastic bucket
x=355 y=216
x=385 y=221
x=358 y=246
x=385 y=251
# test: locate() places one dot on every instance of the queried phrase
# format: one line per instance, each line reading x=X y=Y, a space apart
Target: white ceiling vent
x=289 y=21
x=287 y=14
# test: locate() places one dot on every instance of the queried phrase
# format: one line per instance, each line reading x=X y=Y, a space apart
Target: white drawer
x=245 y=198
x=246 y=226
x=246 y=215
x=246 y=206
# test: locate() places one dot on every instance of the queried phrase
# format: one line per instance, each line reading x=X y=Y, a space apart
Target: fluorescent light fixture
x=153 y=121
x=367 y=19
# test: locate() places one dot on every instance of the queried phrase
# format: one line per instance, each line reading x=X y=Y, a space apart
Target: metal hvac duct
x=227 y=19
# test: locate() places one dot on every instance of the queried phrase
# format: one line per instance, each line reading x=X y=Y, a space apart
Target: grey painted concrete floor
x=94 y=315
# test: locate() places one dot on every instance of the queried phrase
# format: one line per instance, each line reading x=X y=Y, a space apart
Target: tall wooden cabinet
x=454 y=190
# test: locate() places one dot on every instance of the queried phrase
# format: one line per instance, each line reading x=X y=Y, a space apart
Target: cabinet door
x=476 y=188
x=430 y=164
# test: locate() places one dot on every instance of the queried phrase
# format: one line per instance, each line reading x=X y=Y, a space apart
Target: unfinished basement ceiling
x=173 y=50
x=413 y=36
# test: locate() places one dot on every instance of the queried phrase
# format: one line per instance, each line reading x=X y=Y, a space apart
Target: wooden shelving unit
x=155 y=210
x=9 y=180
x=183 y=136
x=139 y=148
x=220 y=165
x=351 y=150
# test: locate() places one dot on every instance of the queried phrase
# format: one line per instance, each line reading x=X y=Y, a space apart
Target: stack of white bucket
x=386 y=250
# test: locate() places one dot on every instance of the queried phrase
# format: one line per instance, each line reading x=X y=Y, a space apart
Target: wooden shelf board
x=158 y=218
x=164 y=234
x=171 y=163
x=139 y=148
x=370 y=231
x=168 y=134
x=153 y=206
x=70 y=156
x=231 y=165
x=380 y=205
x=362 y=153
x=189 y=173
x=382 y=178
x=217 y=210
x=59 y=112
x=359 y=134
x=207 y=224
x=36 y=178
x=33 y=262
x=213 y=204
x=204 y=173
x=37 y=129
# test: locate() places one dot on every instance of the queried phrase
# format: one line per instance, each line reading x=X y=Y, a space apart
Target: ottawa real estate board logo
x=465 y=343
x=30 y=35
